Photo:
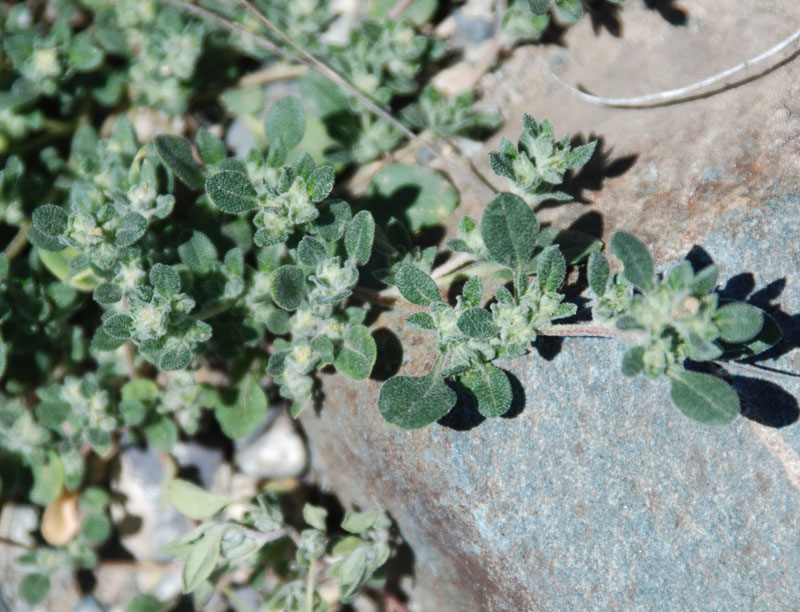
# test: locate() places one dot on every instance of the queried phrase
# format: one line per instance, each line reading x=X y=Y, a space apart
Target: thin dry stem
x=682 y=93
x=18 y=242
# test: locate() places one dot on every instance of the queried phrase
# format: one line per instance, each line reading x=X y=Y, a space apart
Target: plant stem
x=457 y=261
x=310 y=586
x=588 y=330
x=278 y=72
x=18 y=242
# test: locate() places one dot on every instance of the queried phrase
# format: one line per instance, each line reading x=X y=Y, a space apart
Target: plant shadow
x=465 y=416
x=591 y=177
x=669 y=12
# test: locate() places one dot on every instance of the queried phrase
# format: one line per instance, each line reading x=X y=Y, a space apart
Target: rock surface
x=598 y=494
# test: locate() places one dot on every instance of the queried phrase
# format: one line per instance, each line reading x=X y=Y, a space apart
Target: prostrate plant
x=263 y=542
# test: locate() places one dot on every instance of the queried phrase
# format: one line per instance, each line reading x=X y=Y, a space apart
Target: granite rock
x=596 y=493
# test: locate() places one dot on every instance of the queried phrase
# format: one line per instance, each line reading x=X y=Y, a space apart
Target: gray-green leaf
x=492 y=389
x=359 y=237
x=231 y=192
x=477 y=323
x=739 y=322
x=416 y=286
x=195 y=502
x=245 y=413
x=411 y=402
x=597 y=271
x=176 y=153
x=288 y=287
x=703 y=397
x=509 y=229
x=357 y=355
x=638 y=265
x=551 y=268
x=286 y=122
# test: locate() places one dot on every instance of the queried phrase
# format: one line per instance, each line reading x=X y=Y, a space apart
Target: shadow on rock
x=668 y=11
x=591 y=177
x=390 y=354
x=765 y=402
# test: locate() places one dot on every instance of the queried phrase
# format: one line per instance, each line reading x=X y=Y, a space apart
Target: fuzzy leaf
x=107 y=293
x=477 y=323
x=176 y=153
x=416 y=286
x=539 y=7
x=119 y=326
x=580 y=155
x=201 y=561
x=632 y=361
x=703 y=397
x=162 y=434
x=212 y=149
x=315 y=516
x=48 y=224
x=311 y=252
x=288 y=287
x=231 y=192
x=473 y=291
x=198 y=253
x=33 y=588
x=195 y=502
x=635 y=258
x=597 y=271
x=705 y=280
x=332 y=220
x=247 y=411
x=571 y=9
x=131 y=227
x=411 y=402
x=359 y=237
x=509 y=230
x=286 y=123
x=492 y=389
x=551 y=269
x=320 y=183
x=176 y=359
x=165 y=279
x=768 y=337
x=357 y=355
x=739 y=322
x=422 y=320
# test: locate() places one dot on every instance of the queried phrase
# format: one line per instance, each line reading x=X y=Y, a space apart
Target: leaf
x=332 y=220
x=48 y=480
x=198 y=253
x=576 y=246
x=231 y=192
x=705 y=280
x=288 y=286
x=739 y=322
x=96 y=528
x=703 y=397
x=571 y=9
x=286 y=123
x=315 y=516
x=473 y=291
x=212 y=150
x=102 y=341
x=195 y=502
x=175 y=359
x=416 y=286
x=33 y=588
x=48 y=224
x=580 y=155
x=357 y=355
x=359 y=236
x=768 y=337
x=422 y=320
x=633 y=361
x=165 y=279
x=539 y=7
x=119 y=326
x=551 y=269
x=425 y=197
x=638 y=265
x=492 y=389
x=311 y=252
x=107 y=293
x=145 y=603
x=162 y=433
x=201 y=561
x=320 y=183
x=509 y=229
x=131 y=227
x=247 y=411
x=176 y=153
x=411 y=402
x=597 y=271
x=477 y=323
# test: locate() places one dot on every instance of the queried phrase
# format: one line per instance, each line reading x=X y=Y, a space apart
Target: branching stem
x=18 y=242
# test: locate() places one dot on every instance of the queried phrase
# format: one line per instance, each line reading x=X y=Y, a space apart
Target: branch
x=18 y=242
x=682 y=93
x=588 y=330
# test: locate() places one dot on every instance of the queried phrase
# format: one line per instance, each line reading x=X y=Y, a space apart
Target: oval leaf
x=509 y=229
x=739 y=322
x=194 y=502
x=286 y=122
x=247 y=412
x=416 y=286
x=359 y=237
x=477 y=323
x=492 y=389
x=638 y=265
x=288 y=287
x=411 y=402
x=231 y=192
x=704 y=398
x=176 y=153
x=357 y=355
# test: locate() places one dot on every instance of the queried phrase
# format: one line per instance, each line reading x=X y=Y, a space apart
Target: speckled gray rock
x=598 y=495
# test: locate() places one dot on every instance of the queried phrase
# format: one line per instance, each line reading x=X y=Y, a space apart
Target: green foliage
x=536 y=166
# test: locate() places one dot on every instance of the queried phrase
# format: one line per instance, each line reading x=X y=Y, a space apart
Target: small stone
x=202 y=458
x=278 y=452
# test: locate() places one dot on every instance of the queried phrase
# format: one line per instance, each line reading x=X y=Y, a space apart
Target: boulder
x=596 y=493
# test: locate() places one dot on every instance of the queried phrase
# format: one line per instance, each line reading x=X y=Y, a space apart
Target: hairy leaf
x=411 y=402
x=509 y=230
x=176 y=153
x=286 y=122
x=165 y=279
x=245 y=413
x=357 y=355
x=288 y=286
x=638 y=265
x=703 y=397
x=416 y=286
x=231 y=192
x=491 y=388
x=477 y=323
x=195 y=502
x=739 y=322
x=551 y=269
x=597 y=271
x=359 y=237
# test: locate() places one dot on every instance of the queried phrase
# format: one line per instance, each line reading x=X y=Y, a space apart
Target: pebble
x=278 y=452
